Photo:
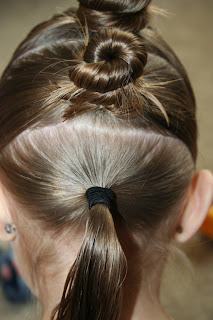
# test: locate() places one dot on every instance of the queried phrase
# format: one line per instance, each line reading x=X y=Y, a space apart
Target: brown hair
x=88 y=100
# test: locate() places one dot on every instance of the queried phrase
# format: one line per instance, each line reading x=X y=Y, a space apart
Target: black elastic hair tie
x=100 y=195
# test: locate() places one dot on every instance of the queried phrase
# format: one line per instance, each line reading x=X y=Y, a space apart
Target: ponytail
x=93 y=289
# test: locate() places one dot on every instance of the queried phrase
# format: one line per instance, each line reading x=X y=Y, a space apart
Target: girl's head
x=96 y=98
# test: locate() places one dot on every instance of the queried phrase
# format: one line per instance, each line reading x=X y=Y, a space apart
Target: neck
x=145 y=307
x=140 y=292
x=144 y=300
x=149 y=308
x=142 y=303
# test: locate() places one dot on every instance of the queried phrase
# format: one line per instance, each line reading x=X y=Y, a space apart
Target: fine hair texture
x=95 y=97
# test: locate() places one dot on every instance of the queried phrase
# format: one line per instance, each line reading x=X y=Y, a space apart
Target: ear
x=5 y=217
x=198 y=203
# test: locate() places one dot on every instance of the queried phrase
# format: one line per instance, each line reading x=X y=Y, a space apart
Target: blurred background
x=188 y=29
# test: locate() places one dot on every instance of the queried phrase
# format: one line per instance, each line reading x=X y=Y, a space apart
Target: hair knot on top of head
x=111 y=60
x=127 y=15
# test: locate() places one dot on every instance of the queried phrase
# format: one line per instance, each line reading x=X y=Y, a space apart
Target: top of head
x=127 y=15
x=111 y=60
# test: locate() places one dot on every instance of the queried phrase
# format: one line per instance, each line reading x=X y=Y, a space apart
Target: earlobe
x=197 y=205
x=7 y=229
x=7 y=232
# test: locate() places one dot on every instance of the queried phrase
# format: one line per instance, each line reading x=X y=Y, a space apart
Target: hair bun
x=127 y=15
x=111 y=60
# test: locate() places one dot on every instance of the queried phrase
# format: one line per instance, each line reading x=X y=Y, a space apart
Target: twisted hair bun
x=128 y=15
x=112 y=59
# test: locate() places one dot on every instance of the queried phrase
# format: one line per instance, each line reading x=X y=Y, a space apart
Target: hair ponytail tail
x=93 y=289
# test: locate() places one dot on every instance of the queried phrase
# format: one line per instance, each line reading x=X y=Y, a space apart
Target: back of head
x=88 y=100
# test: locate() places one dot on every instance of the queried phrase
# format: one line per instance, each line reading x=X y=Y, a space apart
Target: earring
x=179 y=229
x=10 y=228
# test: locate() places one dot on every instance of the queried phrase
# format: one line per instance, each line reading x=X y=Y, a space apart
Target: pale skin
x=145 y=305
